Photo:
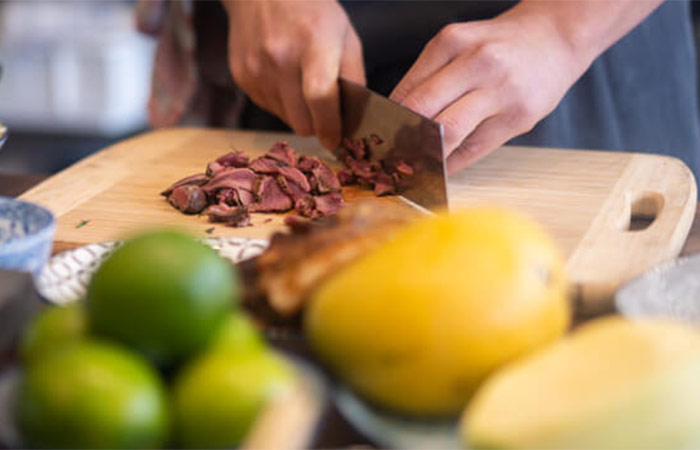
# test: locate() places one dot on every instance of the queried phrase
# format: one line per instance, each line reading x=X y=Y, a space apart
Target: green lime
x=92 y=394
x=162 y=293
x=218 y=396
x=52 y=328
x=238 y=333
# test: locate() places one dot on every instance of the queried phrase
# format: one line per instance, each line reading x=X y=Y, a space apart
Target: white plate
x=393 y=431
x=66 y=276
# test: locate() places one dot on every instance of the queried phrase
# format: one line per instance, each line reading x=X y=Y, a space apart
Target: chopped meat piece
x=235 y=197
x=313 y=182
x=308 y=163
x=384 y=177
x=291 y=189
x=271 y=197
x=189 y=199
x=295 y=176
x=361 y=169
x=265 y=165
x=232 y=178
x=213 y=168
x=235 y=158
x=356 y=149
x=228 y=196
x=245 y=197
x=235 y=216
x=329 y=204
x=257 y=186
x=276 y=182
x=306 y=206
x=283 y=153
x=198 y=179
x=326 y=179
x=384 y=184
x=346 y=177
x=403 y=167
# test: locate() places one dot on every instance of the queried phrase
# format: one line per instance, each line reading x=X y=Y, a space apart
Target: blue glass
x=26 y=235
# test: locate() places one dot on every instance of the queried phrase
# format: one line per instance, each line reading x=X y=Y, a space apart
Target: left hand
x=489 y=81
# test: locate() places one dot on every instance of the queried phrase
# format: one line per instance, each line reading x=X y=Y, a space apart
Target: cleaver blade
x=406 y=135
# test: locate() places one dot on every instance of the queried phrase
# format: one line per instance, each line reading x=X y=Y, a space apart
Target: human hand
x=287 y=56
x=491 y=80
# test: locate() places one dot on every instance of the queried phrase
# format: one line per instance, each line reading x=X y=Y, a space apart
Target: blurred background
x=75 y=78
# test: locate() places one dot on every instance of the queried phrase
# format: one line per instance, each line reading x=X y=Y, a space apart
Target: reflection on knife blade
x=407 y=137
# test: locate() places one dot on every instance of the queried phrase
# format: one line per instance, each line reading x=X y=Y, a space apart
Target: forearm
x=588 y=26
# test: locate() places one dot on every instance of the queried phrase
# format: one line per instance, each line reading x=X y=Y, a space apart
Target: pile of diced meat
x=279 y=181
x=233 y=186
x=384 y=176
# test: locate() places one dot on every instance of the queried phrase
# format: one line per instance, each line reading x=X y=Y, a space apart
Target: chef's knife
x=406 y=134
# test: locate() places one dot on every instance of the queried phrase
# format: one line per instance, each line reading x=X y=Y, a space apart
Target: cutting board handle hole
x=644 y=210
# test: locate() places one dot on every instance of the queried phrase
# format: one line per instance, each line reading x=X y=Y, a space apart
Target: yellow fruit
x=612 y=384
x=217 y=397
x=51 y=329
x=92 y=394
x=162 y=293
x=417 y=324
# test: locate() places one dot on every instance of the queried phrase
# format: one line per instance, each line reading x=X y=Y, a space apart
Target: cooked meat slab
x=233 y=186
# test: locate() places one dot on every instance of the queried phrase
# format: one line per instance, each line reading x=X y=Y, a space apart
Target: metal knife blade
x=406 y=135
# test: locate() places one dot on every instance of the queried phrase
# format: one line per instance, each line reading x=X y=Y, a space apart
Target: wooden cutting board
x=585 y=199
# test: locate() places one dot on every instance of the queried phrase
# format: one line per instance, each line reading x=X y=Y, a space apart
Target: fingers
x=320 y=69
x=352 y=66
x=437 y=53
x=296 y=111
x=449 y=83
x=488 y=136
x=462 y=117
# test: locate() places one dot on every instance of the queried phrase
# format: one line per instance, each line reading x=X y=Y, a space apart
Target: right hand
x=287 y=56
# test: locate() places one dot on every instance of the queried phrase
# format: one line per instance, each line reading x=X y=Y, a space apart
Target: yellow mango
x=418 y=323
x=613 y=384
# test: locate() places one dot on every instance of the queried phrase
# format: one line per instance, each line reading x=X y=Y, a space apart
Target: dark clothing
x=641 y=95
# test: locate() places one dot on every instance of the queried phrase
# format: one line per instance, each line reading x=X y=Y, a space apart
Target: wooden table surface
x=334 y=431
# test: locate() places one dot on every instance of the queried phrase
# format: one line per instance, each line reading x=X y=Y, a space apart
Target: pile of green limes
x=158 y=355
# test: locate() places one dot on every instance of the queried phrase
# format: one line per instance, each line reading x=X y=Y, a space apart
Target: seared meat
x=281 y=279
x=232 y=178
x=384 y=177
x=235 y=158
x=294 y=175
x=188 y=198
x=213 y=168
x=264 y=165
x=197 y=179
x=281 y=180
x=284 y=154
x=235 y=216
x=293 y=190
x=326 y=181
x=270 y=197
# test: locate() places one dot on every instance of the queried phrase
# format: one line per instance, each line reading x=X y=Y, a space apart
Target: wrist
x=572 y=44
